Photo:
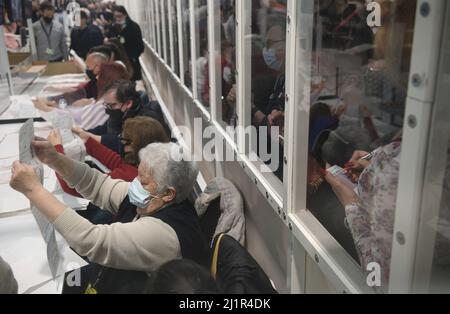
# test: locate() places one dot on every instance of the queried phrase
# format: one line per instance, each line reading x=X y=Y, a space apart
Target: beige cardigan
x=143 y=245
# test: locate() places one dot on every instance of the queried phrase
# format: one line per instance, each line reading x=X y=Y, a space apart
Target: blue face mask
x=270 y=57
x=139 y=196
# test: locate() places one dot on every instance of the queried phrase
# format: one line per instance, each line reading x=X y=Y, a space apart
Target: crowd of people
x=140 y=219
x=141 y=227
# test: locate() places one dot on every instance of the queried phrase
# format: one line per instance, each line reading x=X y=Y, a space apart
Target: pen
x=367 y=157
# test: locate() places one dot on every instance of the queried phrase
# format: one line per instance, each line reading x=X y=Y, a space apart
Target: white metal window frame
x=157 y=16
x=335 y=263
x=421 y=99
x=170 y=13
x=163 y=7
x=437 y=159
x=331 y=258
x=153 y=22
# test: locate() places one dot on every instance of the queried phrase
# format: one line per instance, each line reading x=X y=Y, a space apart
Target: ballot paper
x=21 y=245
x=342 y=175
x=21 y=107
x=63 y=121
x=63 y=79
x=26 y=155
x=74 y=147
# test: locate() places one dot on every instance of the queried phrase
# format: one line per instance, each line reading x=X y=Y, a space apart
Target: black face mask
x=91 y=75
x=48 y=20
x=115 y=119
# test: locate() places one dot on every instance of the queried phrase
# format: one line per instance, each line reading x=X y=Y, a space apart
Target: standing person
x=86 y=36
x=35 y=15
x=50 y=36
x=130 y=36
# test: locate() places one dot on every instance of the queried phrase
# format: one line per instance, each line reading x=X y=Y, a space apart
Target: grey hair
x=100 y=56
x=170 y=167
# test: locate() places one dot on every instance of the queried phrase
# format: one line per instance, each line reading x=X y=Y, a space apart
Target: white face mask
x=139 y=196
x=270 y=57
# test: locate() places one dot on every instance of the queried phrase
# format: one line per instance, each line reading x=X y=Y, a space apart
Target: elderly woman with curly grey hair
x=156 y=222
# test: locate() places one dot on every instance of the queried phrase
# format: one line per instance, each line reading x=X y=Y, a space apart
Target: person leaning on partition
x=166 y=226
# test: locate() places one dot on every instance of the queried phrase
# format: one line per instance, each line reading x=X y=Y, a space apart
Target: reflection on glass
x=359 y=79
x=174 y=21
x=228 y=61
x=440 y=269
x=186 y=43
x=268 y=56
x=167 y=31
x=202 y=52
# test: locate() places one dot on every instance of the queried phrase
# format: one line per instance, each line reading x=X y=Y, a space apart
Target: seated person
x=118 y=54
x=123 y=102
x=166 y=225
x=181 y=277
x=91 y=113
x=87 y=90
x=8 y=284
x=115 y=52
x=376 y=196
x=137 y=134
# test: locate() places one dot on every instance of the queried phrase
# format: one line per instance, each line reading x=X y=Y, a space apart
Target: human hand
x=42 y=104
x=45 y=151
x=24 y=178
x=357 y=162
x=55 y=137
x=85 y=136
x=343 y=191
x=83 y=102
x=231 y=97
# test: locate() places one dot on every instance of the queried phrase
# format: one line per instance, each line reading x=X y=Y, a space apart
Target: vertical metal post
x=181 y=40
x=171 y=41
x=243 y=65
x=420 y=101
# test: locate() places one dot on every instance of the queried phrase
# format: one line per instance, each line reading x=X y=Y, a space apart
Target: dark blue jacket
x=142 y=108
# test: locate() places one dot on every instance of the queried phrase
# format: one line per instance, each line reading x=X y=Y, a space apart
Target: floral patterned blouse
x=372 y=221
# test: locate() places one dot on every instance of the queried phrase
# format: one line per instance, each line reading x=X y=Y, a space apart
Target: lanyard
x=48 y=34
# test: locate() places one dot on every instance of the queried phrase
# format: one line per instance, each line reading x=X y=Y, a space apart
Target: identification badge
x=50 y=52
x=122 y=40
x=90 y=290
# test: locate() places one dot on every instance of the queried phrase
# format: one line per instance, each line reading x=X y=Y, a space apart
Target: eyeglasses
x=124 y=141
x=111 y=106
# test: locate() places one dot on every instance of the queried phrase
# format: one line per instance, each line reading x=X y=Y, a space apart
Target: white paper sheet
x=21 y=108
x=21 y=245
x=26 y=153
x=74 y=147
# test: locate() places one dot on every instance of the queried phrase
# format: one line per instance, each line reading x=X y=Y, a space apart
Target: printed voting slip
x=26 y=136
x=342 y=175
x=74 y=147
x=63 y=121
x=21 y=107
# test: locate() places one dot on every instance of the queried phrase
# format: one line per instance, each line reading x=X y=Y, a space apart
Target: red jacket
x=119 y=169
